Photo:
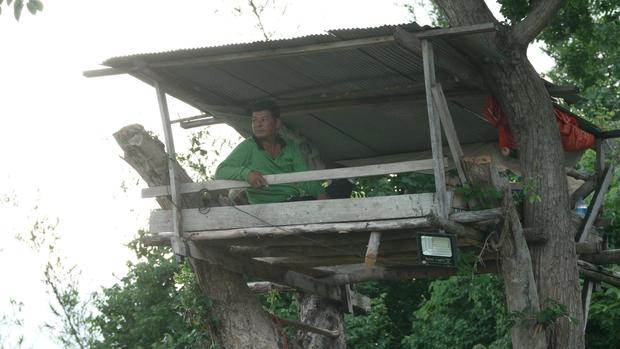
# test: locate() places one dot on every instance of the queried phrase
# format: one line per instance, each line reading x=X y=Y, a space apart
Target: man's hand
x=256 y=179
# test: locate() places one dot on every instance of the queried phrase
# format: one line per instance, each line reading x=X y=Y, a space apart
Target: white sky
x=56 y=135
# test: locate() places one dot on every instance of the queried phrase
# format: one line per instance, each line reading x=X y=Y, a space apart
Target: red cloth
x=573 y=138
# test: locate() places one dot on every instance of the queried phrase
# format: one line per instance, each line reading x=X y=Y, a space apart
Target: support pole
x=178 y=246
x=441 y=105
x=373 y=249
x=435 y=129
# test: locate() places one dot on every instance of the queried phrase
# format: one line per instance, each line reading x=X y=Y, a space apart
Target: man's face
x=264 y=125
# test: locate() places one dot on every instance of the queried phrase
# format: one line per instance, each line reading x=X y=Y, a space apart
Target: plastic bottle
x=580 y=207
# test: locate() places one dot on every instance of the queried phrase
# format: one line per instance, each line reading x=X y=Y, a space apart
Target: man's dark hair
x=270 y=105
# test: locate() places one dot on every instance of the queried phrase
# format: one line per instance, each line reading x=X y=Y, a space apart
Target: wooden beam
x=244 y=235
x=595 y=205
x=265 y=271
x=305 y=327
x=572 y=172
x=296 y=213
x=360 y=272
x=602 y=257
x=262 y=287
x=373 y=248
x=586 y=297
x=178 y=246
x=441 y=105
x=456 y=228
x=460 y=30
x=200 y=122
x=588 y=248
x=583 y=191
x=435 y=129
x=283 y=178
x=454 y=63
x=600 y=274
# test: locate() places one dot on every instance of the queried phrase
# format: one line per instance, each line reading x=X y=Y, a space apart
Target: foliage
x=394 y=184
x=33 y=6
x=205 y=153
x=10 y=327
x=602 y=330
x=462 y=311
x=156 y=305
x=389 y=320
x=71 y=326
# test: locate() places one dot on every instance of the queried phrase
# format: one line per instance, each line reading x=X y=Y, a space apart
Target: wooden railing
x=317 y=175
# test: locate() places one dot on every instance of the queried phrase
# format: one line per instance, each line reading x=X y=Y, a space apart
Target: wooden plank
x=600 y=274
x=295 y=213
x=602 y=257
x=265 y=271
x=454 y=63
x=435 y=129
x=595 y=205
x=460 y=30
x=305 y=327
x=373 y=249
x=586 y=297
x=294 y=177
x=441 y=105
x=360 y=272
x=200 y=122
x=176 y=242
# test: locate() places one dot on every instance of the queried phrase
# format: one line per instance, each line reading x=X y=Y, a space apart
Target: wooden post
x=435 y=129
x=441 y=105
x=586 y=297
x=176 y=241
x=373 y=249
x=595 y=204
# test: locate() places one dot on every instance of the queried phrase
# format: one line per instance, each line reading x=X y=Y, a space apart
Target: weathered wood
x=177 y=244
x=578 y=174
x=283 y=178
x=583 y=191
x=441 y=105
x=262 y=287
x=595 y=205
x=360 y=272
x=454 y=63
x=588 y=247
x=295 y=213
x=516 y=270
x=373 y=249
x=461 y=30
x=600 y=274
x=306 y=327
x=200 y=122
x=435 y=129
x=586 y=297
x=602 y=257
x=456 y=228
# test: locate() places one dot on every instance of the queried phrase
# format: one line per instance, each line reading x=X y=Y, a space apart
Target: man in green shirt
x=267 y=153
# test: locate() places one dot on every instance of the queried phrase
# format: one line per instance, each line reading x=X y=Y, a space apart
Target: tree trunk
x=324 y=314
x=527 y=105
x=241 y=320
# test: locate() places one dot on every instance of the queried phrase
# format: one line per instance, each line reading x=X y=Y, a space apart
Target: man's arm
x=235 y=166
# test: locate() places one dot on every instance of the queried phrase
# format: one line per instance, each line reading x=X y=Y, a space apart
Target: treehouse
x=360 y=102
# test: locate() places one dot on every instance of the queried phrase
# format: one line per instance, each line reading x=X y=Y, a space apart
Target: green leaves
x=33 y=7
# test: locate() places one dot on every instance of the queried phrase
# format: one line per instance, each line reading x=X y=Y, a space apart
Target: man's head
x=265 y=119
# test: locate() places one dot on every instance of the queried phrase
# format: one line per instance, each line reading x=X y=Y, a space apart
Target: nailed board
x=294 y=213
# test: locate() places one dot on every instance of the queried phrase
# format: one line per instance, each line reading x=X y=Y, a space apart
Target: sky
x=59 y=159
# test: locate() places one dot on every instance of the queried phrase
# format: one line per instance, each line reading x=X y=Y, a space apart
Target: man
x=268 y=153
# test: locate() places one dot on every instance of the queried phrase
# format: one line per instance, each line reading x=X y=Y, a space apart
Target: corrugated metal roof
x=331 y=36
x=352 y=102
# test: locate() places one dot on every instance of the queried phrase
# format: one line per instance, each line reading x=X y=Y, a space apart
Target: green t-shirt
x=249 y=155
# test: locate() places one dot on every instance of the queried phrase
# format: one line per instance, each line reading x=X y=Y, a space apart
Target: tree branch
x=526 y=30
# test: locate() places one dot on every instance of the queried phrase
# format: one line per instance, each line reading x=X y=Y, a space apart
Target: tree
x=33 y=7
x=527 y=106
